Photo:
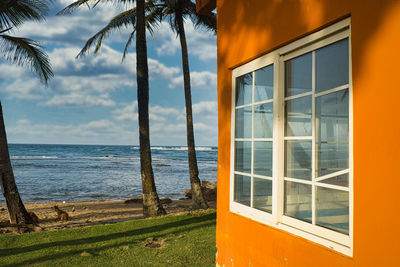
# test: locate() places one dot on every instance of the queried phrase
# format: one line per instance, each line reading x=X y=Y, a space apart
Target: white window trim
x=329 y=238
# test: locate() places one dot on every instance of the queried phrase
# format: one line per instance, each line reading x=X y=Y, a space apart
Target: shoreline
x=87 y=213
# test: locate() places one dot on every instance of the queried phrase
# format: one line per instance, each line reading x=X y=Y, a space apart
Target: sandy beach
x=89 y=213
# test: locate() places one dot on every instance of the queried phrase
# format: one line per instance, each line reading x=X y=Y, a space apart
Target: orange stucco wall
x=249 y=28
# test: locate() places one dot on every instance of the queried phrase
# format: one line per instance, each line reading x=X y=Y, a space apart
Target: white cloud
x=157 y=69
x=29 y=89
x=206 y=109
x=73 y=29
x=83 y=133
x=156 y=112
x=77 y=99
x=201 y=43
x=197 y=80
x=87 y=81
x=127 y=113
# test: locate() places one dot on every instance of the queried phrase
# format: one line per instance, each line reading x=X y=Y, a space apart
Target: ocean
x=46 y=173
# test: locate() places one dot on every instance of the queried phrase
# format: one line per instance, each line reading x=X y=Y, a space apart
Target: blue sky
x=92 y=100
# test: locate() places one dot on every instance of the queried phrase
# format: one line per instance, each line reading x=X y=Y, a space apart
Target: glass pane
x=263 y=158
x=298 y=117
x=298 y=201
x=243 y=123
x=332 y=65
x=298 y=75
x=262 y=195
x=244 y=92
x=263 y=120
x=333 y=209
x=264 y=82
x=243 y=156
x=298 y=159
x=332 y=132
x=242 y=189
x=341 y=180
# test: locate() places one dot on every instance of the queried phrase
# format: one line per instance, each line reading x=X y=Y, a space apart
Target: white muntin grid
x=330 y=238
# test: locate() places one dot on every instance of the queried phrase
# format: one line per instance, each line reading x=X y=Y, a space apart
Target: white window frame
x=329 y=238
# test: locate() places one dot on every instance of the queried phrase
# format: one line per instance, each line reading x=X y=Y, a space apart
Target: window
x=292 y=135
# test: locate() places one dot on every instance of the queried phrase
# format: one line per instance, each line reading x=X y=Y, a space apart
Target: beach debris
x=73 y=209
x=139 y=200
x=2 y=209
x=64 y=202
x=34 y=217
x=61 y=215
x=85 y=254
x=209 y=191
x=208 y=184
x=108 y=200
x=162 y=165
x=154 y=243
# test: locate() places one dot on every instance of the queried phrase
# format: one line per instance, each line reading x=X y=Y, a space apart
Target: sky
x=92 y=100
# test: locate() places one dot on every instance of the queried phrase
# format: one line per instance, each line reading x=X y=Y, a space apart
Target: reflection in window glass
x=263 y=120
x=243 y=156
x=341 y=180
x=298 y=159
x=264 y=84
x=298 y=114
x=243 y=123
x=244 y=89
x=332 y=65
x=242 y=189
x=332 y=209
x=262 y=196
x=298 y=75
x=263 y=158
x=332 y=137
x=298 y=201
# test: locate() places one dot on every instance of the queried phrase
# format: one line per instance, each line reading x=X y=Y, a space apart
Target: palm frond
x=153 y=19
x=77 y=4
x=123 y=19
x=24 y=51
x=15 y=12
x=208 y=21
x=128 y=44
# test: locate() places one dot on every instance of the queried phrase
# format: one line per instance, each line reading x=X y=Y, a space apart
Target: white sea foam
x=177 y=148
x=181 y=148
x=34 y=157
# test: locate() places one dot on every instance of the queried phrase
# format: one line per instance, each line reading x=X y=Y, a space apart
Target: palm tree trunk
x=197 y=195
x=151 y=203
x=16 y=209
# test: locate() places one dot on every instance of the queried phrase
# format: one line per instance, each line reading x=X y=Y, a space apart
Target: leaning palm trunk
x=197 y=195
x=16 y=209
x=151 y=203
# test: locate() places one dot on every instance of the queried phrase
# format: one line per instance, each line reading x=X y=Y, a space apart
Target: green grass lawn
x=185 y=240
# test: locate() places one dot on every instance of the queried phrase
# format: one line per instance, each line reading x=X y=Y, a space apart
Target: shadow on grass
x=181 y=225
x=96 y=251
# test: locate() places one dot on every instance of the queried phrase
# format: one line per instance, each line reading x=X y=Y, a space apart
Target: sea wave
x=182 y=148
x=99 y=157
x=34 y=157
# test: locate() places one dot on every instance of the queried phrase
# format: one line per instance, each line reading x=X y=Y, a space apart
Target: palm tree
x=151 y=202
x=23 y=52
x=175 y=11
